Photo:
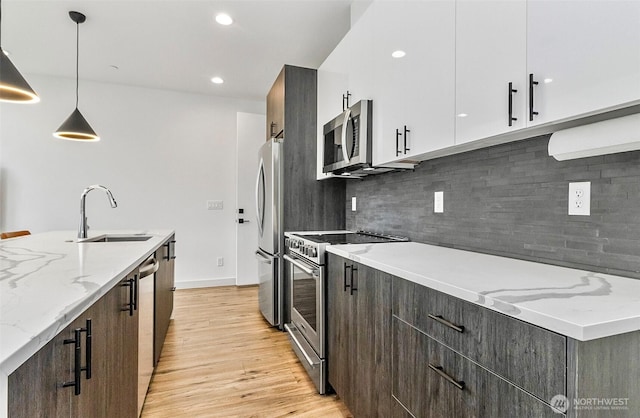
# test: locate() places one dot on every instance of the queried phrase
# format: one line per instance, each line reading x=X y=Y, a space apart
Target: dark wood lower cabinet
x=359 y=337
x=164 y=289
x=36 y=388
x=431 y=380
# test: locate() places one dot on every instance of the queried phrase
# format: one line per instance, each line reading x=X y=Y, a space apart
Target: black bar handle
x=438 y=369
x=353 y=287
x=129 y=307
x=441 y=320
x=344 y=276
x=135 y=292
x=397 y=142
x=511 y=91
x=531 y=84
x=169 y=255
x=77 y=361
x=345 y=101
x=87 y=349
x=406 y=131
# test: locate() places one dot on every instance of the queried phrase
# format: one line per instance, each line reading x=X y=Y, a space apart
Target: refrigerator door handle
x=260 y=205
x=261 y=257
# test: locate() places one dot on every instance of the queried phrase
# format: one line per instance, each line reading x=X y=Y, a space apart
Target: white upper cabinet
x=346 y=75
x=584 y=55
x=490 y=54
x=414 y=94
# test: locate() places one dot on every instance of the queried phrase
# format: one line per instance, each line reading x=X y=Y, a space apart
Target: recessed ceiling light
x=224 y=19
x=462 y=115
x=398 y=54
x=548 y=80
x=217 y=80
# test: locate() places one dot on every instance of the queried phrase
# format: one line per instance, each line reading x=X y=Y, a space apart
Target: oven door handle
x=313 y=272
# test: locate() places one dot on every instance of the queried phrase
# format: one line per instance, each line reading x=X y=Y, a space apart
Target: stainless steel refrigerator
x=270 y=232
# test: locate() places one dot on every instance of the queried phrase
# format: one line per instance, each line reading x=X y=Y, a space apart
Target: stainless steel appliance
x=305 y=259
x=270 y=234
x=146 y=308
x=347 y=140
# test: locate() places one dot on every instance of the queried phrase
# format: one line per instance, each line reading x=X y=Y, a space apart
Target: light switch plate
x=438 y=202
x=215 y=205
x=580 y=198
x=353 y=204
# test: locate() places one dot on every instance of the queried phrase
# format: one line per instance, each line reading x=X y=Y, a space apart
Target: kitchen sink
x=117 y=238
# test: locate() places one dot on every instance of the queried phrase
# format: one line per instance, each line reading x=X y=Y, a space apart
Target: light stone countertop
x=579 y=304
x=47 y=280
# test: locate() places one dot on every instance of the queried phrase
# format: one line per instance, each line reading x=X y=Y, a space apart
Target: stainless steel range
x=306 y=260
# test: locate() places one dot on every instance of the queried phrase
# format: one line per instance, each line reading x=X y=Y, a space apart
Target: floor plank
x=221 y=359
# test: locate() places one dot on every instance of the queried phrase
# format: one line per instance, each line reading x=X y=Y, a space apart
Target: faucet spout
x=82 y=229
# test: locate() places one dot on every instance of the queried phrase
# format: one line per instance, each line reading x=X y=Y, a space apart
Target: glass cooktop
x=353 y=238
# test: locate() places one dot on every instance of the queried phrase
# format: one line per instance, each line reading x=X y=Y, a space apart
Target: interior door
x=250 y=137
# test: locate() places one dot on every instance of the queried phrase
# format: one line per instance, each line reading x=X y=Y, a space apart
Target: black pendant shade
x=13 y=87
x=76 y=127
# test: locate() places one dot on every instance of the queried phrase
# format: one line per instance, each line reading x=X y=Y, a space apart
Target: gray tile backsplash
x=511 y=200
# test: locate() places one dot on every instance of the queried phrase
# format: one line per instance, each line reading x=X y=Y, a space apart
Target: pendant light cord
x=77 y=59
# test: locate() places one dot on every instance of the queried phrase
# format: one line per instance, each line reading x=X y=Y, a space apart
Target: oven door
x=307 y=301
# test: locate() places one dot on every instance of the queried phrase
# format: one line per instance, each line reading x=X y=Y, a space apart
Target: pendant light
x=13 y=87
x=76 y=127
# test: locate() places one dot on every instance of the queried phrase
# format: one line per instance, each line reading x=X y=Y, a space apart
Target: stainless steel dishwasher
x=145 y=326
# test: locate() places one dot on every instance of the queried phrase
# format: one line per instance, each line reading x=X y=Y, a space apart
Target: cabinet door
x=416 y=90
x=340 y=337
x=35 y=388
x=584 y=55
x=490 y=53
x=275 y=107
x=371 y=361
x=164 y=288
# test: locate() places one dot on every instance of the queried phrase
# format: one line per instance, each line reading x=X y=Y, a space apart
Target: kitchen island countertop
x=580 y=304
x=47 y=280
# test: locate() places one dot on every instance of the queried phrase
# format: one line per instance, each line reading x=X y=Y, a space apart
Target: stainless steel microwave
x=347 y=140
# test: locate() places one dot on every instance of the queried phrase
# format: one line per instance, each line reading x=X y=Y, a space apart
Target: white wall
x=162 y=154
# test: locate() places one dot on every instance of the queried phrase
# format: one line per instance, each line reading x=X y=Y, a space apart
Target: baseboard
x=194 y=284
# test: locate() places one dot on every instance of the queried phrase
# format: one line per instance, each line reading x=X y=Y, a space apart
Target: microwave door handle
x=345 y=122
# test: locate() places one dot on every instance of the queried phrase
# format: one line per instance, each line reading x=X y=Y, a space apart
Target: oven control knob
x=313 y=252
x=305 y=250
x=294 y=243
x=287 y=243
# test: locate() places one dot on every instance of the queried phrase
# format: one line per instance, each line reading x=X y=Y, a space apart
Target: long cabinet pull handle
x=77 y=362
x=353 y=287
x=129 y=306
x=87 y=349
x=406 y=131
x=440 y=319
x=135 y=292
x=532 y=83
x=511 y=91
x=438 y=369
x=345 y=101
x=344 y=276
x=398 y=142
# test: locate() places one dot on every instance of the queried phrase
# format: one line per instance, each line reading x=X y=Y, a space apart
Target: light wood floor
x=221 y=359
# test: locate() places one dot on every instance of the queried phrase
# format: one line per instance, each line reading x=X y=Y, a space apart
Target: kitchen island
x=48 y=280
x=459 y=333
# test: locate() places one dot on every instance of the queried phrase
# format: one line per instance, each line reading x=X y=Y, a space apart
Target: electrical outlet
x=215 y=205
x=580 y=198
x=353 y=204
x=438 y=202
x=220 y=261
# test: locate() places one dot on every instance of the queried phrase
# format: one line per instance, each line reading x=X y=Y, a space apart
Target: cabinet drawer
x=529 y=356
x=431 y=380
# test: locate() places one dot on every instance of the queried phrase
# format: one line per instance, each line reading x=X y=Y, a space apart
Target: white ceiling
x=174 y=44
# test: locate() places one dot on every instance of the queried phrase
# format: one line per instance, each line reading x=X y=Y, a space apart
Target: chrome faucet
x=82 y=230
